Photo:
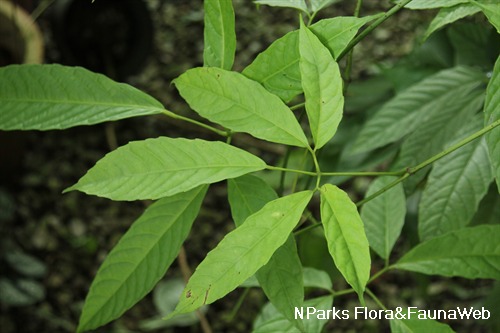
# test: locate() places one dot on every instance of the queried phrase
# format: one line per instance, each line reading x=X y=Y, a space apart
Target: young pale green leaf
x=455 y=186
x=240 y=104
x=470 y=252
x=322 y=84
x=45 y=97
x=219 y=34
x=243 y=251
x=415 y=325
x=296 y=4
x=281 y=278
x=270 y=320
x=141 y=258
x=384 y=216
x=492 y=114
x=404 y=113
x=277 y=68
x=449 y=15
x=491 y=11
x=157 y=168
x=345 y=236
x=429 y=4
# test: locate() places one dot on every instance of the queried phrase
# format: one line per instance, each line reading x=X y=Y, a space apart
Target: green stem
x=238 y=305
x=372 y=27
x=297 y=106
x=410 y=171
x=365 y=173
x=275 y=168
x=348 y=70
x=192 y=121
x=343 y=292
x=378 y=274
x=375 y=298
x=316 y=165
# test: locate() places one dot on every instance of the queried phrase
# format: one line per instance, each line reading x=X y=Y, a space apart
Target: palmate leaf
x=322 y=86
x=449 y=15
x=240 y=104
x=345 y=235
x=270 y=320
x=156 y=168
x=492 y=114
x=384 y=216
x=470 y=252
x=219 y=34
x=141 y=258
x=281 y=278
x=45 y=97
x=456 y=185
x=405 y=112
x=277 y=68
x=242 y=252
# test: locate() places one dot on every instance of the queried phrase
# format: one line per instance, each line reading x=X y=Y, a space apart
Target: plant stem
x=316 y=165
x=297 y=106
x=192 y=121
x=410 y=171
x=378 y=274
x=375 y=298
x=372 y=27
x=347 y=73
x=275 y=168
x=238 y=305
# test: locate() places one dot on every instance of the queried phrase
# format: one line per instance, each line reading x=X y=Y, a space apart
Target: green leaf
x=270 y=320
x=281 y=278
x=449 y=15
x=455 y=186
x=491 y=11
x=489 y=208
x=296 y=4
x=317 y=5
x=322 y=84
x=384 y=216
x=277 y=68
x=346 y=237
x=243 y=251
x=240 y=104
x=470 y=252
x=141 y=258
x=219 y=34
x=405 y=112
x=492 y=114
x=448 y=114
x=429 y=4
x=415 y=325
x=44 y=97
x=156 y=168
x=313 y=278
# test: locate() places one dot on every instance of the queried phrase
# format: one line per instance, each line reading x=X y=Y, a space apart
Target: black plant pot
x=113 y=37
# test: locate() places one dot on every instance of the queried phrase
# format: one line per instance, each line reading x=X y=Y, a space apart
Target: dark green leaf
x=44 y=97
x=492 y=12
x=240 y=104
x=492 y=114
x=156 y=168
x=449 y=15
x=296 y=4
x=470 y=252
x=141 y=258
x=428 y=4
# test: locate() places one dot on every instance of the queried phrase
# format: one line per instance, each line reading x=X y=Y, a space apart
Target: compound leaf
x=277 y=68
x=219 y=34
x=322 y=86
x=470 y=252
x=345 y=235
x=404 y=113
x=455 y=186
x=281 y=278
x=45 y=97
x=243 y=251
x=240 y=104
x=141 y=258
x=384 y=216
x=492 y=114
x=156 y=168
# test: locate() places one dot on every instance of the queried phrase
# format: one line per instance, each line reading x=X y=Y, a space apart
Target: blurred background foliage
x=52 y=244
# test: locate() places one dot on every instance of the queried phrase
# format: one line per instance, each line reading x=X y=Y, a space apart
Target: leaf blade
x=449 y=15
x=492 y=114
x=141 y=258
x=470 y=252
x=219 y=34
x=347 y=242
x=176 y=165
x=45 y=97
x=322 y=85
x=240 y=104
x=242 y=252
